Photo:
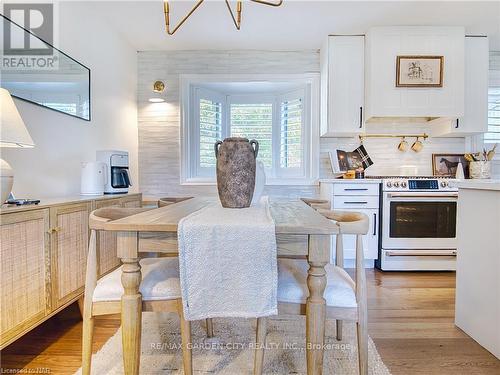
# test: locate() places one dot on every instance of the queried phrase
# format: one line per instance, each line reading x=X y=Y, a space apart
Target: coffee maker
x=117 y=174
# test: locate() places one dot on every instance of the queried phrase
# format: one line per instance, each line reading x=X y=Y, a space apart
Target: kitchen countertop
x=480 y=184
x=350 y=181
x=48 y=202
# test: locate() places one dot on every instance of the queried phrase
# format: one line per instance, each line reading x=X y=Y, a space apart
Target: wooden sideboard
x=43 y=256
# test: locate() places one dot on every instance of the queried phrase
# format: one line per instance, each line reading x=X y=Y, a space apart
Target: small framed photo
x=419 y=71
x=445 y=165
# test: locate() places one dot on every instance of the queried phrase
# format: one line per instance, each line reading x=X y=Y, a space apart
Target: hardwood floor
x=410 y=320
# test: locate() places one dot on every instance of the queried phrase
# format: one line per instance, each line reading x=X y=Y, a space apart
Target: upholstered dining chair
x=345 y=298
x=160 y=289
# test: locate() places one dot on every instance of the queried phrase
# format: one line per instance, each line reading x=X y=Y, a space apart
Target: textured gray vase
x=236 y=171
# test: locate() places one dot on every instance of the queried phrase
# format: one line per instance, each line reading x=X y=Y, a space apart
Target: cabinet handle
x=358 y=189
x=360 y=117
x=374 y=224
x=54 y=230
x=355 y=202
x=456 y=126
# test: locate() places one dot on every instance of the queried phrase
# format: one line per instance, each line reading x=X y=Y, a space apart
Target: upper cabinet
x=383 y=99
x=342 y=86
x=475 y=118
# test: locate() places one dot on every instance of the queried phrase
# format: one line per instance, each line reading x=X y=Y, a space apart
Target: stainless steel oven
x=419 y=225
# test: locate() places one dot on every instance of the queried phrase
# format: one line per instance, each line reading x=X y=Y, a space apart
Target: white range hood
x=384 y=101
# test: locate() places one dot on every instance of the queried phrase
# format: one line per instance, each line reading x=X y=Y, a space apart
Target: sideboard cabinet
x=43 y=256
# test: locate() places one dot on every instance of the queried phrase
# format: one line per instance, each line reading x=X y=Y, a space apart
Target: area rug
x=231 y=351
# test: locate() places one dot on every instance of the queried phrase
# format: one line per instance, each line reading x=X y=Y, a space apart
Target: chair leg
x=260 y=342
x=87 y=338
x=210 y=327
x=362 y=333
x=187 y=355
x=339 y=329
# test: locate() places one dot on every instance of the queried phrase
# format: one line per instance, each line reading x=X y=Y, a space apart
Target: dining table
x=301 y=232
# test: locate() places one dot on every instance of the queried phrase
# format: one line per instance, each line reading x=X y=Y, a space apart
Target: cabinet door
x=24 y=271
x=69 y=244
x=106 y=242
x=370 y=240
x=475 y=118
x=345 y=85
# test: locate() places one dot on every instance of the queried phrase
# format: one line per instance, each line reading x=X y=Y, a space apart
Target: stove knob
x=389 y=184
x=403 y=184
x=444 y=184
x=396 y=184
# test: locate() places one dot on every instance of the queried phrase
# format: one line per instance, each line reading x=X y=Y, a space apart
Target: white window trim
x=310 y=80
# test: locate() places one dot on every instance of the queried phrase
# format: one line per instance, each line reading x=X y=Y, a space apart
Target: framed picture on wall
x=419 y=71
x=445 y=165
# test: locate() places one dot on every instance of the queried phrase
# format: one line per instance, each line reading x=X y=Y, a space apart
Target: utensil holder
x=480 y=169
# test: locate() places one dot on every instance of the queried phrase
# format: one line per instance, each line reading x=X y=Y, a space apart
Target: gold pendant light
x=236 y=19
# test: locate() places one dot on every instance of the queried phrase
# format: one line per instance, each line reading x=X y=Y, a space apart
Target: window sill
x=269 y=182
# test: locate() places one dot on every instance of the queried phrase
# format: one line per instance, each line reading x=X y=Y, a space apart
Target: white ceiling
x=293 y=26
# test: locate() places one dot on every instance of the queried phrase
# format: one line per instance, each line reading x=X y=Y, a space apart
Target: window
x=493 y=135
x=278 y=116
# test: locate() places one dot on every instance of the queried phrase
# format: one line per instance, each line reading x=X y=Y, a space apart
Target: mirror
x=43 y=75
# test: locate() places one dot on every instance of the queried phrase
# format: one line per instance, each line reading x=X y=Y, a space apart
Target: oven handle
x=421 y=252
x=424 y=195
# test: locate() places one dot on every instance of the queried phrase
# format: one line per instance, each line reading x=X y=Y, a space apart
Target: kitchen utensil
x=236 y=171
x=491 y=153
x=417 y=146
x=403 y=145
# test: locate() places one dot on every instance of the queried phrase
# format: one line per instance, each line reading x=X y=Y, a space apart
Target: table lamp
x=13 y=133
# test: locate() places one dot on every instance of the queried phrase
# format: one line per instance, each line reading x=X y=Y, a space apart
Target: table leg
x=131 y=301
x=316 y=304
x=131 y=315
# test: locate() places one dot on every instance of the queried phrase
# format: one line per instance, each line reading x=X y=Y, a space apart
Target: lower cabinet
x=43 y=257
x=24 y=272
x=356 y=197
x=69 y=247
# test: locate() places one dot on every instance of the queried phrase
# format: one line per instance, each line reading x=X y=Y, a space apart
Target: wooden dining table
x=301 y=232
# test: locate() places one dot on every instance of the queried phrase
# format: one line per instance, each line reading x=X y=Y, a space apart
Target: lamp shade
x=13 y=132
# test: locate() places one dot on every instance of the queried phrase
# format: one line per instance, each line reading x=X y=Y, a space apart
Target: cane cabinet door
x=69 y=230
x=24 y=272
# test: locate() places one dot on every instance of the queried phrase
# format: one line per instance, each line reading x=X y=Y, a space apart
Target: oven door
x=419 y=220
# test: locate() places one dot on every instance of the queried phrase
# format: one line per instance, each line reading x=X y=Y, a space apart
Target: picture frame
x=445 y=165
x=419 y=71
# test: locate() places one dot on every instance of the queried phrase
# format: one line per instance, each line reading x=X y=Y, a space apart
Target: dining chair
x=162 y=202
x=160 y=289
x=345 y=298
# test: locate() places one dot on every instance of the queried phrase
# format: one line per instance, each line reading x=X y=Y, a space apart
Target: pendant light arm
x=237 y=19
x=166 y=11
x=268 y=2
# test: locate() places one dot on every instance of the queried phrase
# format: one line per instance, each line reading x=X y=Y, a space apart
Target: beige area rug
x=231 y=351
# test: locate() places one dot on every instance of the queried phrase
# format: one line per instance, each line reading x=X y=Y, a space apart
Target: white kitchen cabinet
x=475 y=118
x=384 y=99
x=342 y=85
x=356 y=197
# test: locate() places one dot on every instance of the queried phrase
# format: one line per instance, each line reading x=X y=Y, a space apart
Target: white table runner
x=228 y=262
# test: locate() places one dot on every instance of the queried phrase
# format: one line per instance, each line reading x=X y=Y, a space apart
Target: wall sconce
x=158 y=89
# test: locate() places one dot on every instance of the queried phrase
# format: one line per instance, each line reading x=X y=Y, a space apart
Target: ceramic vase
x=236 y=171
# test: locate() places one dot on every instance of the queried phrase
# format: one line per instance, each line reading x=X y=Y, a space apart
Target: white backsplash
x=384 y=152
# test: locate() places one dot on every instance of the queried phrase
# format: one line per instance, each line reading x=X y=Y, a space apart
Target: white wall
x=52 y=168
